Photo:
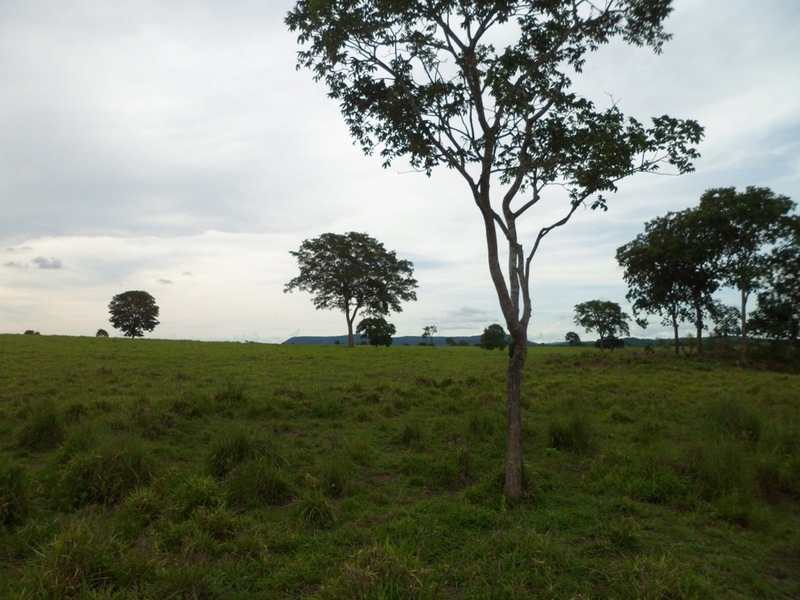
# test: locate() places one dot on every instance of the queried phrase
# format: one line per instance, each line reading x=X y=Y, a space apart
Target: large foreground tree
x=133 y=313
x=354 y=273
x=484 y=88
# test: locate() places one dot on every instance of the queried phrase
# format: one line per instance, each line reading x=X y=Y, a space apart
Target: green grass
x=164 y=469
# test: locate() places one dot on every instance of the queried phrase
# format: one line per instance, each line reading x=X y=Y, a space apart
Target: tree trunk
x=698 y=323
x=351 y=340
x=677 y=337
x=744 y=326
x=518 y=353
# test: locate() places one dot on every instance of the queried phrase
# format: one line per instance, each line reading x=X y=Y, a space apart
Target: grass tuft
x=14 y=493
x=104 y=473
x=572 y=431
x=43 y=429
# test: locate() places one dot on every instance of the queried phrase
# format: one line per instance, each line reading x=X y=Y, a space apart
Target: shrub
x=43 y=429
x=14 y=493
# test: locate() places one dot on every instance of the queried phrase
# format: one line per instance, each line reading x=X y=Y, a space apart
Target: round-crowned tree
x=133 y=313
x=494 y=336
x=355 y=274
x=604 y=317
x=376 y=330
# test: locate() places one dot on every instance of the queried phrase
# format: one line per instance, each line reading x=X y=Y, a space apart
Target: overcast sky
x=172 y=147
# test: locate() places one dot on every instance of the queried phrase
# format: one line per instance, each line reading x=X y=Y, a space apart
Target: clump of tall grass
x=314 y=510
x=81 y=561
x=378 y=571
x=256 y=483
x=739 y=418
x=337 y=475
x=410 y=434
x=228 y=451
x=103 y=473
x=43 y=429
x=197 y=492
x=571 y=431
x=141 y=507
x=14 y=493
x=235 y=447
x=231 y=393
x=720 y=467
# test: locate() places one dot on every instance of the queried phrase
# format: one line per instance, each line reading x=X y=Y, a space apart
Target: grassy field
x=165 y=469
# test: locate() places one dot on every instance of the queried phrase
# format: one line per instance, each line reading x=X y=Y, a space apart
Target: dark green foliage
x=377 y=331
x=742 y=226
x=494 y=336
x=14 y=493
x=133 y=313
x=671 y=271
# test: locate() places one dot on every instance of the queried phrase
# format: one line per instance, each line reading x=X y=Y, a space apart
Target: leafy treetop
x=494 y=336
x=353 y=272
x=133 y=313
x=604 y=317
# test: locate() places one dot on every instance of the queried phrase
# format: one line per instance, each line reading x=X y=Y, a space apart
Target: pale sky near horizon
x=173 y=147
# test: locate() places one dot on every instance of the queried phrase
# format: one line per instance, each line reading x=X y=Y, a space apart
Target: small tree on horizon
x=572 y=338
x=133 y=313
x=101 y=333
x=353 y=273
x=427 y=334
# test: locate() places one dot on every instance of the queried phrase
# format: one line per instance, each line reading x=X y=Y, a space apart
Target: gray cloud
x=164 y=281
x=47 y=263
